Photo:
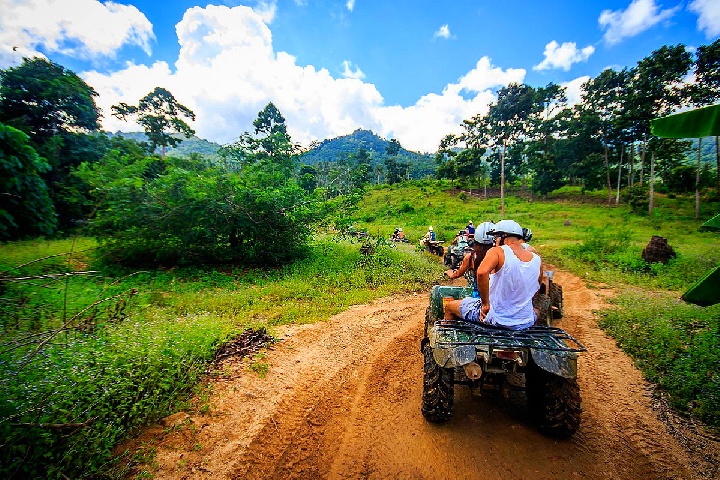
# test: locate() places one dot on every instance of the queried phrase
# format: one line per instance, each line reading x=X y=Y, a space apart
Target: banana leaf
x=706 y=291
x=698 y=123
x=712 y=225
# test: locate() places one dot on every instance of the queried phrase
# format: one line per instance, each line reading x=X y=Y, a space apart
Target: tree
x=707 y=85
x=159 y=114
x=393 y=167
x=602 y=106
x=56 y=109
x=25 y=206
x=249 y=210
x=507 y=120
x=658 y=89
x=43 y=99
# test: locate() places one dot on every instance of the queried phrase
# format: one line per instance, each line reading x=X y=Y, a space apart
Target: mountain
x=339 y=148
x=331 y=150
x=189 y=145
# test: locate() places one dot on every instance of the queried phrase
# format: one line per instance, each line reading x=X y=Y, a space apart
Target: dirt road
x=342 y=400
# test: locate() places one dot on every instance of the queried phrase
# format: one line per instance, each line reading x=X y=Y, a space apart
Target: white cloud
x=563 y=56
x=267 y=8
x=348 y=72
x=708 y=16
x=442 y=32
x=83 y=28
x=573 y=90
x=350 y=5
x=227 y=70
x=638 y=17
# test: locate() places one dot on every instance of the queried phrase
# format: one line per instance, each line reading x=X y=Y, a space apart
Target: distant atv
x=540 y=362
x=433 y=246
x=456 y=252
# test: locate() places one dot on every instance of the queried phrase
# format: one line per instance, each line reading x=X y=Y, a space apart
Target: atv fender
x=563 y=364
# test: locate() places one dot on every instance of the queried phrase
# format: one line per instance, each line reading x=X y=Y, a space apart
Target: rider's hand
x=483 y=312
x=449 y=273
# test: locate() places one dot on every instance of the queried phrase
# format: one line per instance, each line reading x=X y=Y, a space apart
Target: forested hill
x=189 y=145
x=329 y=151
x=341 y=148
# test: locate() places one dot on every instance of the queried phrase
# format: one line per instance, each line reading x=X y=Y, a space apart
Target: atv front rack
x=455 y=333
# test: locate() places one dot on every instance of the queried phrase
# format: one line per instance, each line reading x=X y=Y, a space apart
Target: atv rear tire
x=553 y=401
x=438 y=400
x=543 y=305
x=439 y=251
x=557 y=300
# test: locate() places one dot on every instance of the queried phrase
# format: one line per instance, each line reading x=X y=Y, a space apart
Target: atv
x=539 y=362
x=433 y=246
x=456 y=252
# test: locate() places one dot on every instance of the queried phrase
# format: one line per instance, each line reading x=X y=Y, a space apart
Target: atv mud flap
x=563 y=364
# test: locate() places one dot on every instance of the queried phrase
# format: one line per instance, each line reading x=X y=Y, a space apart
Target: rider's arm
x=464 y=265
x=490 y=264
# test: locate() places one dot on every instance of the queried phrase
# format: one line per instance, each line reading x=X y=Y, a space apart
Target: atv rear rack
x=455 y=333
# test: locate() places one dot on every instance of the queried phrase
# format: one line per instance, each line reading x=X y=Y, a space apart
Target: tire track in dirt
x=342 y=401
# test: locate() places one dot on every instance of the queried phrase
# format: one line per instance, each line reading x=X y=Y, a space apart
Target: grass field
x=100 y=354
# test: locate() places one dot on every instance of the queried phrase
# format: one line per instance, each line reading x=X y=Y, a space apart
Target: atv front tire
x=553 y=401
x=438 y=400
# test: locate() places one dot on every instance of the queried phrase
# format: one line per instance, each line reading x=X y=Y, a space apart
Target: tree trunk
x=631 y=170
x=607 y=174
x=642 y=159
x=697 y=181
x=652 y=183
x=617 y=195
x=717 y=162
x=502 y=180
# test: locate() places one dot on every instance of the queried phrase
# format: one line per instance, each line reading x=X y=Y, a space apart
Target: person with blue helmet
x=508 y=278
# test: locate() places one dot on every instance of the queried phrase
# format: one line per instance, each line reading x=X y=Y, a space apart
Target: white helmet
x=399 y=229
x=481 y=233
x=430 y=229
x=509 y=227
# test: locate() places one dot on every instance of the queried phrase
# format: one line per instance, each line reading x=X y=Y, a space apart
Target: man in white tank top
x=507 y=278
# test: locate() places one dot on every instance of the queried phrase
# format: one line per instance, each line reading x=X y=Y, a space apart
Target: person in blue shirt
x=470 y=228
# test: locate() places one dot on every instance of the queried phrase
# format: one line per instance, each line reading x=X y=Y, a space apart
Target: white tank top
x=511 y=291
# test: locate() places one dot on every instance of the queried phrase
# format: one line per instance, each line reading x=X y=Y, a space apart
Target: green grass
x=77 y=380
x=86 y=360
x=673 y=343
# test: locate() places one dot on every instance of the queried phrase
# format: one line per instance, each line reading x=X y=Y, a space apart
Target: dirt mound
x=342 y=400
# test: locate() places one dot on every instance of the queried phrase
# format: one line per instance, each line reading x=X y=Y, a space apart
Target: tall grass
x=79 y=379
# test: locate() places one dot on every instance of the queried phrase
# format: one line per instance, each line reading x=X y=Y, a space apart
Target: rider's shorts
x=470 y=309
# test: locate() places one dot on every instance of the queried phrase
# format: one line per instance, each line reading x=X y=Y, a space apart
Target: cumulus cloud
x=266 y=9
x=442 y=32
x=349 y=73
x=227 y=70
x=638 y=17
x=708 y=16
x=563 y=56
x=573 y=90
x=350 y=5
x=82 y=28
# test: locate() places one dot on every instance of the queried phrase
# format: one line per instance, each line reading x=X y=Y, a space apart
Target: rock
x=658 y=250
x=567 y=223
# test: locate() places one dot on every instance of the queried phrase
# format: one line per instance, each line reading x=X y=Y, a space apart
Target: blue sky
x=410 y=70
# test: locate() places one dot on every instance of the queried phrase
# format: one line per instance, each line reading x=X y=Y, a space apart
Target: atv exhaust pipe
x=473 y=370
